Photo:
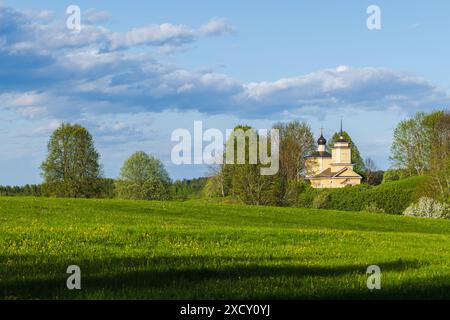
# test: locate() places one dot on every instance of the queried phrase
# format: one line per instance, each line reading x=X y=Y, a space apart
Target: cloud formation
x=45 y=70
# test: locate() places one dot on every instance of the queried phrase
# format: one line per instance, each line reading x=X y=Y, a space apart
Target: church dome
x=322 y=141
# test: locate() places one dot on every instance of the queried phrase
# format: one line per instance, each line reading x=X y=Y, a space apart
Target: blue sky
x=139 y=70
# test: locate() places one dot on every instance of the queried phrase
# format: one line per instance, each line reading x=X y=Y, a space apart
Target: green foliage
x=293 y=191
x=34 y=190
x=296 y=142
x=413 y=142
x=321 y=201
x=356 y=156
x=245 y=183
x=71 y=168
x=306 y=197
x=392 y=175
x=106 y=188
x=250 y=187
x=438 y=185
x=143 y=177
x=214 y=186
x=422 y=146
x=390 y=197
x=376 y=178
x=188 y=188
x=188 y=250
x=373 y=208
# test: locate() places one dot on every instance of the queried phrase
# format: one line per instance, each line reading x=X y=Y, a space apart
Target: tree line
x=72 y=168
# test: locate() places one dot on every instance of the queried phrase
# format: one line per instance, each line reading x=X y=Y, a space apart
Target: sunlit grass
x=192 y=249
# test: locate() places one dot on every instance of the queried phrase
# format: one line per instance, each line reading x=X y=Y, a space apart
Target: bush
x=306 y=198
x=428 y=208
x=321 y=201
x=391 y=175
x=293 y=190
x=373 y=208
x=391 y=197
x=106 y=188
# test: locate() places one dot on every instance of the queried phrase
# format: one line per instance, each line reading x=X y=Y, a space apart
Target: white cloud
x=29 y=104
x=168 y=35
x=216 y=26
x=45 y=15
x=66 y=76
x=92 y=16
x=45 y=33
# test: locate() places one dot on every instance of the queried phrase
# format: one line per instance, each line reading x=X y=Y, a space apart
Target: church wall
x=317 y=165
x=326 y=163
x=334 y=183
x=341 y=155
x=335 y=153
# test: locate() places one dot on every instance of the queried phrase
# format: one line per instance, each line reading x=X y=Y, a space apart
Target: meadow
x=200 y=250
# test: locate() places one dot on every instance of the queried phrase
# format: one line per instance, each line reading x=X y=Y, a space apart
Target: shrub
x=306 y=198
x=390 y=197
x=293 y=190
x=321 y=201
x=391 y=175
x=373 y=208
x=428 y=208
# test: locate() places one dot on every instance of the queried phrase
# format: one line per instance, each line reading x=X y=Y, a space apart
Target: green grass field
x=194 y=249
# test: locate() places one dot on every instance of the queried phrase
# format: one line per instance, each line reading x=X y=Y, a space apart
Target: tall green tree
x=357 y=159
x=71 y=168
x=143 y=177
x=438 y=185
x=411 y=145
x=413 y=142
x=244 y=181
x=296 y=142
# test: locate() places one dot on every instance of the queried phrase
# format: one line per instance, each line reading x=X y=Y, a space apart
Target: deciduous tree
x=143 y=177
x=71 y=168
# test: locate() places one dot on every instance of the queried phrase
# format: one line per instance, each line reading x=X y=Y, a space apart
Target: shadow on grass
x=190 y=277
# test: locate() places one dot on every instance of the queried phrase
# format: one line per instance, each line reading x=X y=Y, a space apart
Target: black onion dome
x=322 y=141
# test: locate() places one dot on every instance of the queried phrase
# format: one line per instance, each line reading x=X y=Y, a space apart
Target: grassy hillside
x=137 y=249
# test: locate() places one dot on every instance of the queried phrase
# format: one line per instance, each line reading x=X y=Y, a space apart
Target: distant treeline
x=180 y=189
x=421 y=147
x=34 y=190
x=188 y=188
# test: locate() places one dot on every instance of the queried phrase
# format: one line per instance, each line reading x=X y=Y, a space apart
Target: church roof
x=322 y=141
x=319 y=154
x=327 y=173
